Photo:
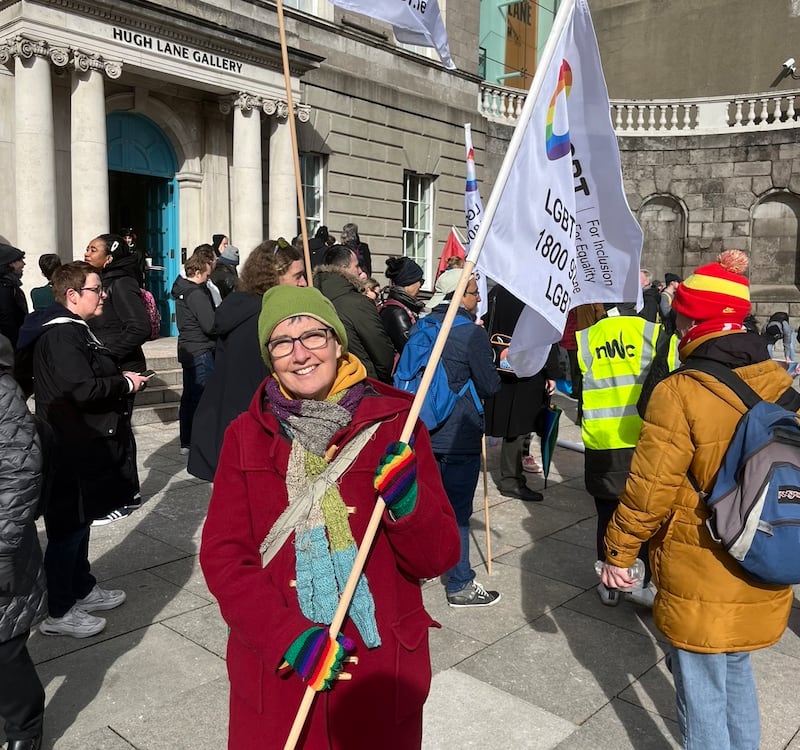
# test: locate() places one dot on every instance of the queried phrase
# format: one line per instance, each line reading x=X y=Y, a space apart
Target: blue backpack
x=440 y=400
x=755 y=501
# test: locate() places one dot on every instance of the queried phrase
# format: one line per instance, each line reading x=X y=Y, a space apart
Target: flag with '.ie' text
x=560 y=232
x=473 y=209
x=414 y=22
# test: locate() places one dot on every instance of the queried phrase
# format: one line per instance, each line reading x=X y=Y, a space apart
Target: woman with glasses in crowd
x=294 y=491
x=82 y=395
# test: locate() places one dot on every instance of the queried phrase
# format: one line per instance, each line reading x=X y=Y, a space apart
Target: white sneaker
x=98 y=599
x=76 y=623
x=643 y=597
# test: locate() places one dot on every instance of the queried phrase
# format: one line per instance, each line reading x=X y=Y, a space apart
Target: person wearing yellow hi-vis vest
x=615 y=355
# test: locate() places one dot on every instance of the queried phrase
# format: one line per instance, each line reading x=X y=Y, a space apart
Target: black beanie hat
x=403 y=271
x=9 y=253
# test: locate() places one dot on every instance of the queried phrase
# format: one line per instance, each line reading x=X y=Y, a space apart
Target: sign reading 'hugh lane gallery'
x=176 y=51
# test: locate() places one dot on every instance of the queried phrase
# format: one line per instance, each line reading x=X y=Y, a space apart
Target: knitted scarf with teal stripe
x=325 y=549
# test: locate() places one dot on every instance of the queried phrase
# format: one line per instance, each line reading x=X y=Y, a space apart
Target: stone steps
x=158 y=403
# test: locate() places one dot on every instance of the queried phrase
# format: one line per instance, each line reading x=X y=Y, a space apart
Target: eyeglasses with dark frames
x=283 y=346
x=98 y=290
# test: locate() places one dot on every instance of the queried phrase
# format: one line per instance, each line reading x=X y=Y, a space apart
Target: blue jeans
x=460 y=477
x=717 y=700
x=196 y=375
x=66 y=565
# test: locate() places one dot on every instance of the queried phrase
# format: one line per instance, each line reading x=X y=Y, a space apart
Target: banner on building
x=414 y=22
x=559 y=232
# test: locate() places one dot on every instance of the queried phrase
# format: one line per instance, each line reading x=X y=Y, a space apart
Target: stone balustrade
x=721 y=114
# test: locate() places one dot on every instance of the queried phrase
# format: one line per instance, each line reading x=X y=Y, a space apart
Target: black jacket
x=514 y=410
x=398 y=313
x=23 y=600
x=652 y=301
x=225 y=277
x=238 y=371
x=13 y=306
x=124 y=325
x=466 y=354
x=366 y=336
x=82 y=395
x=194 y=315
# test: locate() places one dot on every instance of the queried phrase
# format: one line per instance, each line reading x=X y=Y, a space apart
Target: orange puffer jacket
x=706 y=603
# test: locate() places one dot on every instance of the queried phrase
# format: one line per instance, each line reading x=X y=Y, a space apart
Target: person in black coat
x=23 y=591
x=513 y=413
x=351 y=239
x=13 y=305
x=651 y=298
x=124 y=325
x=82 y=395
x=194 y=315
x=238 y=363
x=401 y=309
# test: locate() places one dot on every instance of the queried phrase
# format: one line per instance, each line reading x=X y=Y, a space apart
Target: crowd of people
x=288 y=406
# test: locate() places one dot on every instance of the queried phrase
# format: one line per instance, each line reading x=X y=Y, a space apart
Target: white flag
x=414 y=22
x=560 y=230
x=473 y=208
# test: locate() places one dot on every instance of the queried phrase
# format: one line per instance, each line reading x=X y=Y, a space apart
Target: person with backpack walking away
x=778 y=328
x=711 y=611
x=456 y=432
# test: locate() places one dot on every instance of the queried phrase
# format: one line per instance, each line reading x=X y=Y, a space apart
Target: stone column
x=89 y=149
x=282 y=185
x=247 y=210
x=35 y=178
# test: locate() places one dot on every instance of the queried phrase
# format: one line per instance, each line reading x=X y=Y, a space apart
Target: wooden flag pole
x=301 y=206
x=377 y=513
x=486 y=507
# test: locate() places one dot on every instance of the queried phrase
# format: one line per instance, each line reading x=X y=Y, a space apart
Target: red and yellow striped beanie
x=716 y=291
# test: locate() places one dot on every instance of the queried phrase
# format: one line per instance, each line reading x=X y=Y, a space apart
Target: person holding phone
x=82 y=395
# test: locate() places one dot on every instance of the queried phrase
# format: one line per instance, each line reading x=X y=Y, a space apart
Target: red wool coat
x=381 y=707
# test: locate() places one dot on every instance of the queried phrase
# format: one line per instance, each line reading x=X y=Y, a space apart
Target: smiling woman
x=307 y=461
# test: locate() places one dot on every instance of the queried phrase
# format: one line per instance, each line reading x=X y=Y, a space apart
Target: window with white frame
x=311 y=177
x=318 y=8
x=418 y=222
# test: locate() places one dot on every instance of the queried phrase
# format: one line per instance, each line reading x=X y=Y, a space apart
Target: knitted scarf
x=704 y=331
x=325 y=549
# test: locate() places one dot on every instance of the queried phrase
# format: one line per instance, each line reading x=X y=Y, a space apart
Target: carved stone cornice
x=271 y=107
x=61 y=57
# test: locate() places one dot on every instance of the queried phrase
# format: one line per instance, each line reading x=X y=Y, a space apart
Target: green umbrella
x=549 y=433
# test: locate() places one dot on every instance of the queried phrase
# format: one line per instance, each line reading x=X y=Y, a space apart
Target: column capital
x=61 y=57
x=83 y=62
x=271 y=107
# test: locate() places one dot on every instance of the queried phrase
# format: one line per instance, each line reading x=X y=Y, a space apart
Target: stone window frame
x=417 y=239
x=313 y=192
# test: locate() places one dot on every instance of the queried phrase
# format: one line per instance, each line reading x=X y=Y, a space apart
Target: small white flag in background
x=473 y=208
x=560 y=232
x=414 y=22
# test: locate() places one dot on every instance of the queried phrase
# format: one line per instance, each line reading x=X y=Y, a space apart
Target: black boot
x=34 y=743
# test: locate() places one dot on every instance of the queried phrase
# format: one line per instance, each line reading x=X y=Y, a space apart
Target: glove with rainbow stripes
x=317 y=658
x=396 y=479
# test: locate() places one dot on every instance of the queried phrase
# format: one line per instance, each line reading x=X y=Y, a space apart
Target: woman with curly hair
x=239 y=367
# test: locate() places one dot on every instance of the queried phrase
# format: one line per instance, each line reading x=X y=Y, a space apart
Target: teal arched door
x=143 y=195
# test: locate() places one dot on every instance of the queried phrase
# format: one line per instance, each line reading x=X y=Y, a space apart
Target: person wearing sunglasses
x=297 y=482
x=83 y=396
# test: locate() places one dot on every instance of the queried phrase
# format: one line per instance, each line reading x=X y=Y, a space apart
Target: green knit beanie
x=283 y=302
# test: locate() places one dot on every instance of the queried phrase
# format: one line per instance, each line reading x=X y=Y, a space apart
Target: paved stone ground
x=547 y=667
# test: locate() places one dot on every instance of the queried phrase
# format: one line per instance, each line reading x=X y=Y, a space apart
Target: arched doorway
x=663 y=222
x=143 y=194
x=775 y=244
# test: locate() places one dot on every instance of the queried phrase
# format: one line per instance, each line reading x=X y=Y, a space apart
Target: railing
x=720 y=114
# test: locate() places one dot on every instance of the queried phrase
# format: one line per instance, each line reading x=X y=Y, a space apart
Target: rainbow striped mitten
x=396 y=478
x=317 y=658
